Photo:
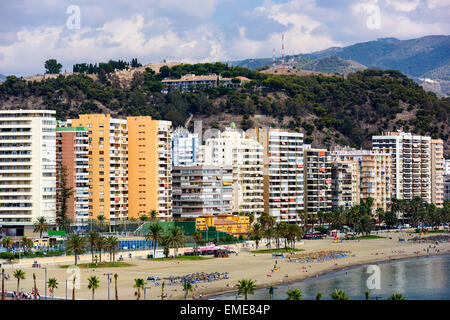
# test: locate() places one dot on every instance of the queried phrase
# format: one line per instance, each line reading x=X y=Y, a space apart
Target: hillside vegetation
x=328 y=109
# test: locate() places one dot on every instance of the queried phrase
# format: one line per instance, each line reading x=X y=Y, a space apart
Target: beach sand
x=244 y=265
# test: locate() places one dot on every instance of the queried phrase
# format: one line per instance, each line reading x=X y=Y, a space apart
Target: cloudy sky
x=32 y=31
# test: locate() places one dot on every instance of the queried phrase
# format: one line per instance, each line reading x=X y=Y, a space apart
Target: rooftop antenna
x=273 y=59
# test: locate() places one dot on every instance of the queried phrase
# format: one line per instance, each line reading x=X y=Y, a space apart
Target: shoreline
x=327 y=271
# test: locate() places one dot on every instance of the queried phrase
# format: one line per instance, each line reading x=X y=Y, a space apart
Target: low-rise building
x=231 y=224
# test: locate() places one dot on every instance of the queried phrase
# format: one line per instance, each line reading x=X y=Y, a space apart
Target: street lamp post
x=66 y=289
x=108 y=274
x=45 y=284
x=145 y=289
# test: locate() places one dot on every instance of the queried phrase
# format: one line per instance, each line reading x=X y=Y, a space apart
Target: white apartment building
x=27 y=168
x=447 y=180
x=411 y=163
x=245 y=156
x=283 y=172
x=184 y=147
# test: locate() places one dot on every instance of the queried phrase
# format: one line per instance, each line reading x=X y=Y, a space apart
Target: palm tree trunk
x=18 y=285
x=73 y=289
x=115 y=285
x=3 y=284
x=93 y=292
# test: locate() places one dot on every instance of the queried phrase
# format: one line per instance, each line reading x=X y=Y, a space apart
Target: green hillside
x=328 y=109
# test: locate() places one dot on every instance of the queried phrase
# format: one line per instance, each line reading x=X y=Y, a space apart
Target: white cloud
x=433 y=4
x=403 y=5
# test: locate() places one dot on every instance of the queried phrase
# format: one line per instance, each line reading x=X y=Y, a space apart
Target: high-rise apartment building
x=27 y=168
x=184 y=147
x=317 y=180
x=283 y=172
x=107 y=165
x=72 y=154
x=149 y=167
x=202 y=189
x=244 y=155
x=437 y=172
x=345 y=184
x=411 y=163
x=374 y=173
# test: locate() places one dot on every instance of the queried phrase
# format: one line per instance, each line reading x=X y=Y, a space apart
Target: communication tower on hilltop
x=273 y=59
x=282 y=49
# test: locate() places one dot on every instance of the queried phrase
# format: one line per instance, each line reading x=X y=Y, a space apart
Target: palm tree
x=162 y=290
x=154 y=235
x=153 y=214
x=40 y=225
x=101 y=244
x=35 y=287
x=197 y=236
x=6 y=243
x=246 y=287
x=76 y=244
x=339 y=295
x=112 y=243
x=143 y=218
x=256 y=234
x=115 y=285
x=92 y=238
x=266 y=220
x=294 y=294
x=177 y=238
x=19 y=275
x=187 y=287
x=139 y=284
x=93 y=284
x=26 y=243
x=304 y=217
x=318 y=296
x=396 y=296
x=390 y=219
x=52 y=285
x=365 y=225
x=102 y=221
x=165 y=241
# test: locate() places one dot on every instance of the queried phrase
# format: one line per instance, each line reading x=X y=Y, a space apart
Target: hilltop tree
x=52 y=66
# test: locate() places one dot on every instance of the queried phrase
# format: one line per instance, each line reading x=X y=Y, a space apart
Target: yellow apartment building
x=149 y=167
x=107 y=165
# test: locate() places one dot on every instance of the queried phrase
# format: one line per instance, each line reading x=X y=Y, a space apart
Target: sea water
x=424 y=278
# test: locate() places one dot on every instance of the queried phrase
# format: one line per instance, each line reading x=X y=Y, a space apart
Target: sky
x=77 y=31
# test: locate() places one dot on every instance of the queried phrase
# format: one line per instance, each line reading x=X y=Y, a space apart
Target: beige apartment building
x=283 y=172
x=317 y=180
x=437 y=172
x=411 y=163
x=345 y=184
x=374 y=174
x=245 y=156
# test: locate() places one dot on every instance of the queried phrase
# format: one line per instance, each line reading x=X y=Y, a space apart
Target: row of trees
x=173 y=238
x=94 y=242
x=247 y=286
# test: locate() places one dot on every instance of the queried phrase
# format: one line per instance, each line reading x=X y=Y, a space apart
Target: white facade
x=27 y=166
x=411 y=163
x=184 y=147
x=283 y=172
x=447 y=180
x=245 y=156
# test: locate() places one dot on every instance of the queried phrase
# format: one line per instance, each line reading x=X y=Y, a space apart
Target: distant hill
x=426 y=57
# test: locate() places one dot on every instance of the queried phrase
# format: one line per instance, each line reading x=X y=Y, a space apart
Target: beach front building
x=374 y=174
x=72 y=154
x=107 y=165
x=184 y=147
x=231 y=224
x=244 y=155
x=283 y=172
x=411 y=163
x=446 y=179
x=317 y=180
x=437 y=172
x=345 y=184
x=202 y=190
x=27 y=169
x=149 y=167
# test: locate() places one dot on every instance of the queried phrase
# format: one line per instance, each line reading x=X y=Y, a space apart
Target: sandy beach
x=243 y=265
